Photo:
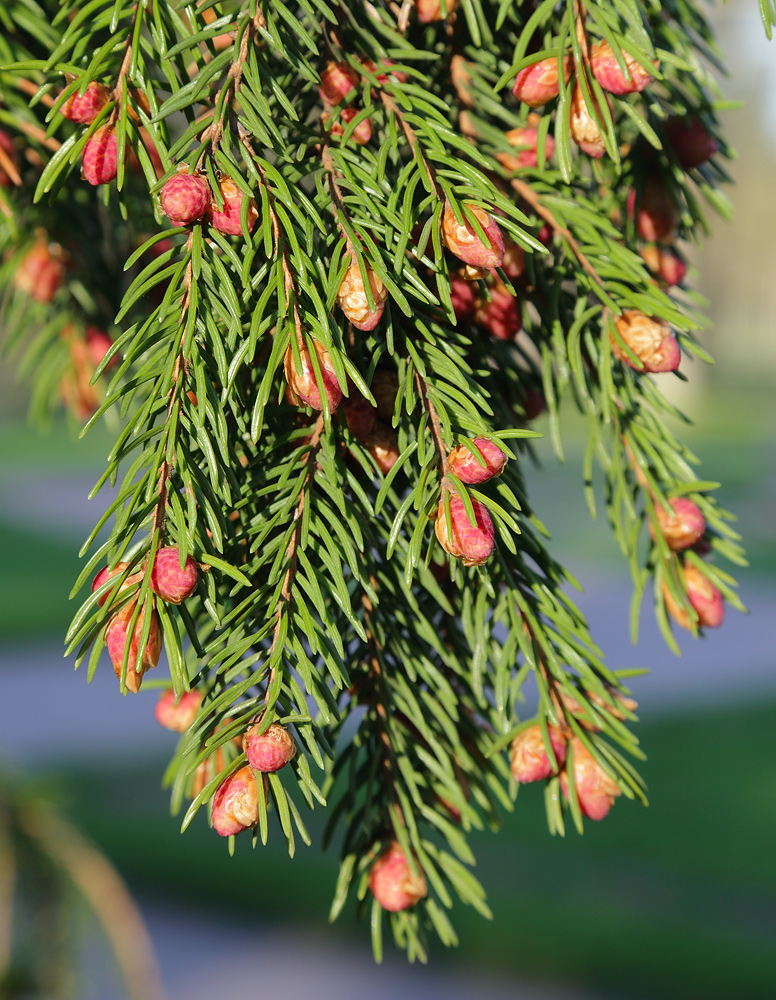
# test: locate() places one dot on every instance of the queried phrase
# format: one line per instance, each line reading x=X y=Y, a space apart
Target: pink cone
x=528 y=758
x=271 y=750
x=470 y=469
x=393 y=883
x=171 y=582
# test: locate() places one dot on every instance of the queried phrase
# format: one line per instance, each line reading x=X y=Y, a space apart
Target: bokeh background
x=673 y=901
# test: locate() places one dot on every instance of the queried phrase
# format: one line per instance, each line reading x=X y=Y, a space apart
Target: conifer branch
x=528 y=194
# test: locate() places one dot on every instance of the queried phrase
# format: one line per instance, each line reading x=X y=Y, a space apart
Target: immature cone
x=703 y=596
x=582 y=715
x=525 y=141
x=462 y=240
x=596 y=791
x=337 y=80
x=40 y=271
x=383 y=446
x=540 y=82
x=236 y=803
x=463 y=295
x=471 y=469
x=271 y=750
x=655 y=211
x=352 y=299
x=302 y=387
x=583 y=127
x=471 y=543
x=171 y=582
x=84 y=108
x=513 y=264
x=100 y=157
x=177 y=715
x=362 y=133
x=393 y=883
x=690 y=140
x=651 y=340
x=666 y=264
x=106 y=574
x=431 y=10
x=385 y=386
x=117 y=636
x=528 y=758
x=12 y=156
x=607 y=70
x=227 y=219
x=185 y=198
x=360 y=416
x=682 y=525
x=99 y=343
x=500 y=315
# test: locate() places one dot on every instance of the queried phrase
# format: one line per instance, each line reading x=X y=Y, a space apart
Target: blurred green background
x=675 y=900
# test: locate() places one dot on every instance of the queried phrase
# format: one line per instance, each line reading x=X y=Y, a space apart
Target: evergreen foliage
x=326 y=601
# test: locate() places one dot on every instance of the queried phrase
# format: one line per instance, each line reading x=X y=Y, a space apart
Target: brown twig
x=34 y=132
x=340 y=212
x=528 y=194
x=234 y=77
x=436 y=425
x=417 y=150
x=284 y=602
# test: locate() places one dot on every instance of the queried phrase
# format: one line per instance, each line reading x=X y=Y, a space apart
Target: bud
x=303 y=389
x=607 y=70
x=40 y=271
x=596 y=791
x=352 y=299
x=236 y=803
x=383 y=446
x=681 y=526
x=463 y=296
x=470 y=469
x=461 y=239
x=431 y=10
x=171 y=582
x=528 y=758
x=472 y=543
x=100 y=157
x=98 y=343
x=271 y=750
x=566 y=704
x=7 y=146
x=84 y=108
x=525 y=140
x=337 y=80
x=362 y=133
x=539 y=82
x=383 y=70
x=177 y=715
x=665 y=264
x=360 y=416
x=703 y=596
x=185 y=198
x=106 y=574
x=393 y=883
x=513 y=264
x=651 y=340
x=385 y=386
x=533 y=403
x=583 y=127
x=227 y=219
x=117 y=636
x=690 y=141
x=500 y=315
x=657 y=216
